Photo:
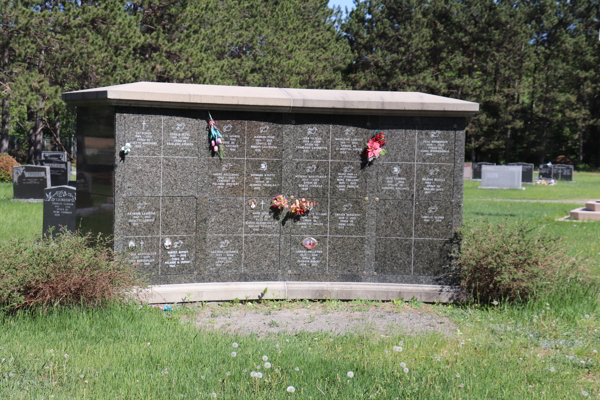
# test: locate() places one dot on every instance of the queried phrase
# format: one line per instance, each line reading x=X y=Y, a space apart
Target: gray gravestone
x=182 y=215
x=59 y=209
x=527 y=172
x=501 y=177
x=60 y=171
x=477 y=169
x=55 y=155
x=29 y=181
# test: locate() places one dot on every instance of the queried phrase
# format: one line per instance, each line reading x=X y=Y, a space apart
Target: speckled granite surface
x=183 y=215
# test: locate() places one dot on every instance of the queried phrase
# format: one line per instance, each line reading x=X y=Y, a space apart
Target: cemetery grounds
x=276 y=349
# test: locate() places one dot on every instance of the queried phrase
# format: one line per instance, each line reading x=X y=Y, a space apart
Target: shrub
x=512 y=262
x=6 y=164
x=65 y=270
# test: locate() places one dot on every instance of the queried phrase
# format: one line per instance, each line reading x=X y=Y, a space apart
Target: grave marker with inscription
x=60 y=171
x=501 y=177
x=184 y=216
x=59 y=209
x=527 y=171
x=29 y=181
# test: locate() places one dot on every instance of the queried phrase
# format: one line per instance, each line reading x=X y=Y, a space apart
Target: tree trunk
x=4 y=132
x=507 y=146
x=31 y=135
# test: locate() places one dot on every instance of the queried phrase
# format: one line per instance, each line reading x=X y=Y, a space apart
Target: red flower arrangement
x=374 y=147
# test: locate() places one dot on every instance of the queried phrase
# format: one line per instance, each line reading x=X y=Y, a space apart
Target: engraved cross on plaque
x=144 y=124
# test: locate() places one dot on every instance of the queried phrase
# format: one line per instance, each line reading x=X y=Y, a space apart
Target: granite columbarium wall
x=201 y=225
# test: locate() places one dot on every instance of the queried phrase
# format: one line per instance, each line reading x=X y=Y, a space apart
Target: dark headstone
x=29 y=181
x=477 y=169
x=545 y=171
x=60 y=171
x=526 y=172
x=59 y=209
x=55 y=155
x=562 y=172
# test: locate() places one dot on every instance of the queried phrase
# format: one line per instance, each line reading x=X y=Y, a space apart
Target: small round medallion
x=167 y=244
x=310 y=243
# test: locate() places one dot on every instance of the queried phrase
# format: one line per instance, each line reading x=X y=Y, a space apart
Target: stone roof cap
x=213 y=97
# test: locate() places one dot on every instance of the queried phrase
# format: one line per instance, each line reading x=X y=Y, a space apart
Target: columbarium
x=222 y=192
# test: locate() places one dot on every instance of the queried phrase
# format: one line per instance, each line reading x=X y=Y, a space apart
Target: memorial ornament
x=285 y=208
x=215 y=138
x=310 y=243
x=124 y=151
x=374 y=147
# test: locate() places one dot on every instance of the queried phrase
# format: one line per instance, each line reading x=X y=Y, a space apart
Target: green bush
x=513 y=262
x=6 y=164
x=65 y=270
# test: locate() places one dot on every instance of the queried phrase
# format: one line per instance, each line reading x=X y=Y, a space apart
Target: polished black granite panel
x=177 y=254
x=183 y=214
x=263 y=178
x=346 y=255
x=347 y=217
x=178 y=216
x=433 y=219
x=306 y=178
x=393 y=180
x=137 y=216
x=220 y=177
x=435 y=146
x=178 y=176
x=394 y=218
x=138 y=176
x=434 y=181
x=347 y=179
x=393 y=256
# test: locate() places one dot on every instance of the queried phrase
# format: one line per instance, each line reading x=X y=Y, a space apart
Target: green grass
x=581 y=238
x=18 y=219
x=544 y=349
x=585 y=187
x=134 y=352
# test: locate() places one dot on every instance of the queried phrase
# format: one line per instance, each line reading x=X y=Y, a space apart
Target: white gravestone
x=501 y=177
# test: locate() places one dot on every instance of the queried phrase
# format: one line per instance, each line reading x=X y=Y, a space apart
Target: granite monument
x=59 y=209
x=501 y=177
x=29 y=181
x=477 y=169
x=526 y=171
x=183 y=215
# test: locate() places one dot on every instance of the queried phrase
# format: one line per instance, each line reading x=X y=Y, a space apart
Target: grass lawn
x=546 y=349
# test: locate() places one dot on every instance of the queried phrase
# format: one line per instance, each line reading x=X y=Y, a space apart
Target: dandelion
x=402 y=365
x=265 y=358
x=437 y=359
x=227 y=373
x=458 y=375
x=461 y=385
x=350 y=374
x=277 y=370
x=595 y=351
x=149 y=343
x=552 y=369
x=259 y=375
x=495 y=302
x=397 y=348
x=234 y=344
x=66 y=356
x=584 y=393
x=385 y=352
x=233 y=354
x=267 y=365
x=297 y=369
x=81 y=376
x=201 y=376
x=291 y=389
x=213 y=395
x=406 y=370
x=277 y=346
x=253 y=374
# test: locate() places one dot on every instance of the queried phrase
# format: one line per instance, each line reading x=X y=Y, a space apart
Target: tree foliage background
x=534 y=66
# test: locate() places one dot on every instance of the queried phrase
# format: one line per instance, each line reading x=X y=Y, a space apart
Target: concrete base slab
x=226 y=291
x=593 y=205
x=585 y=214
